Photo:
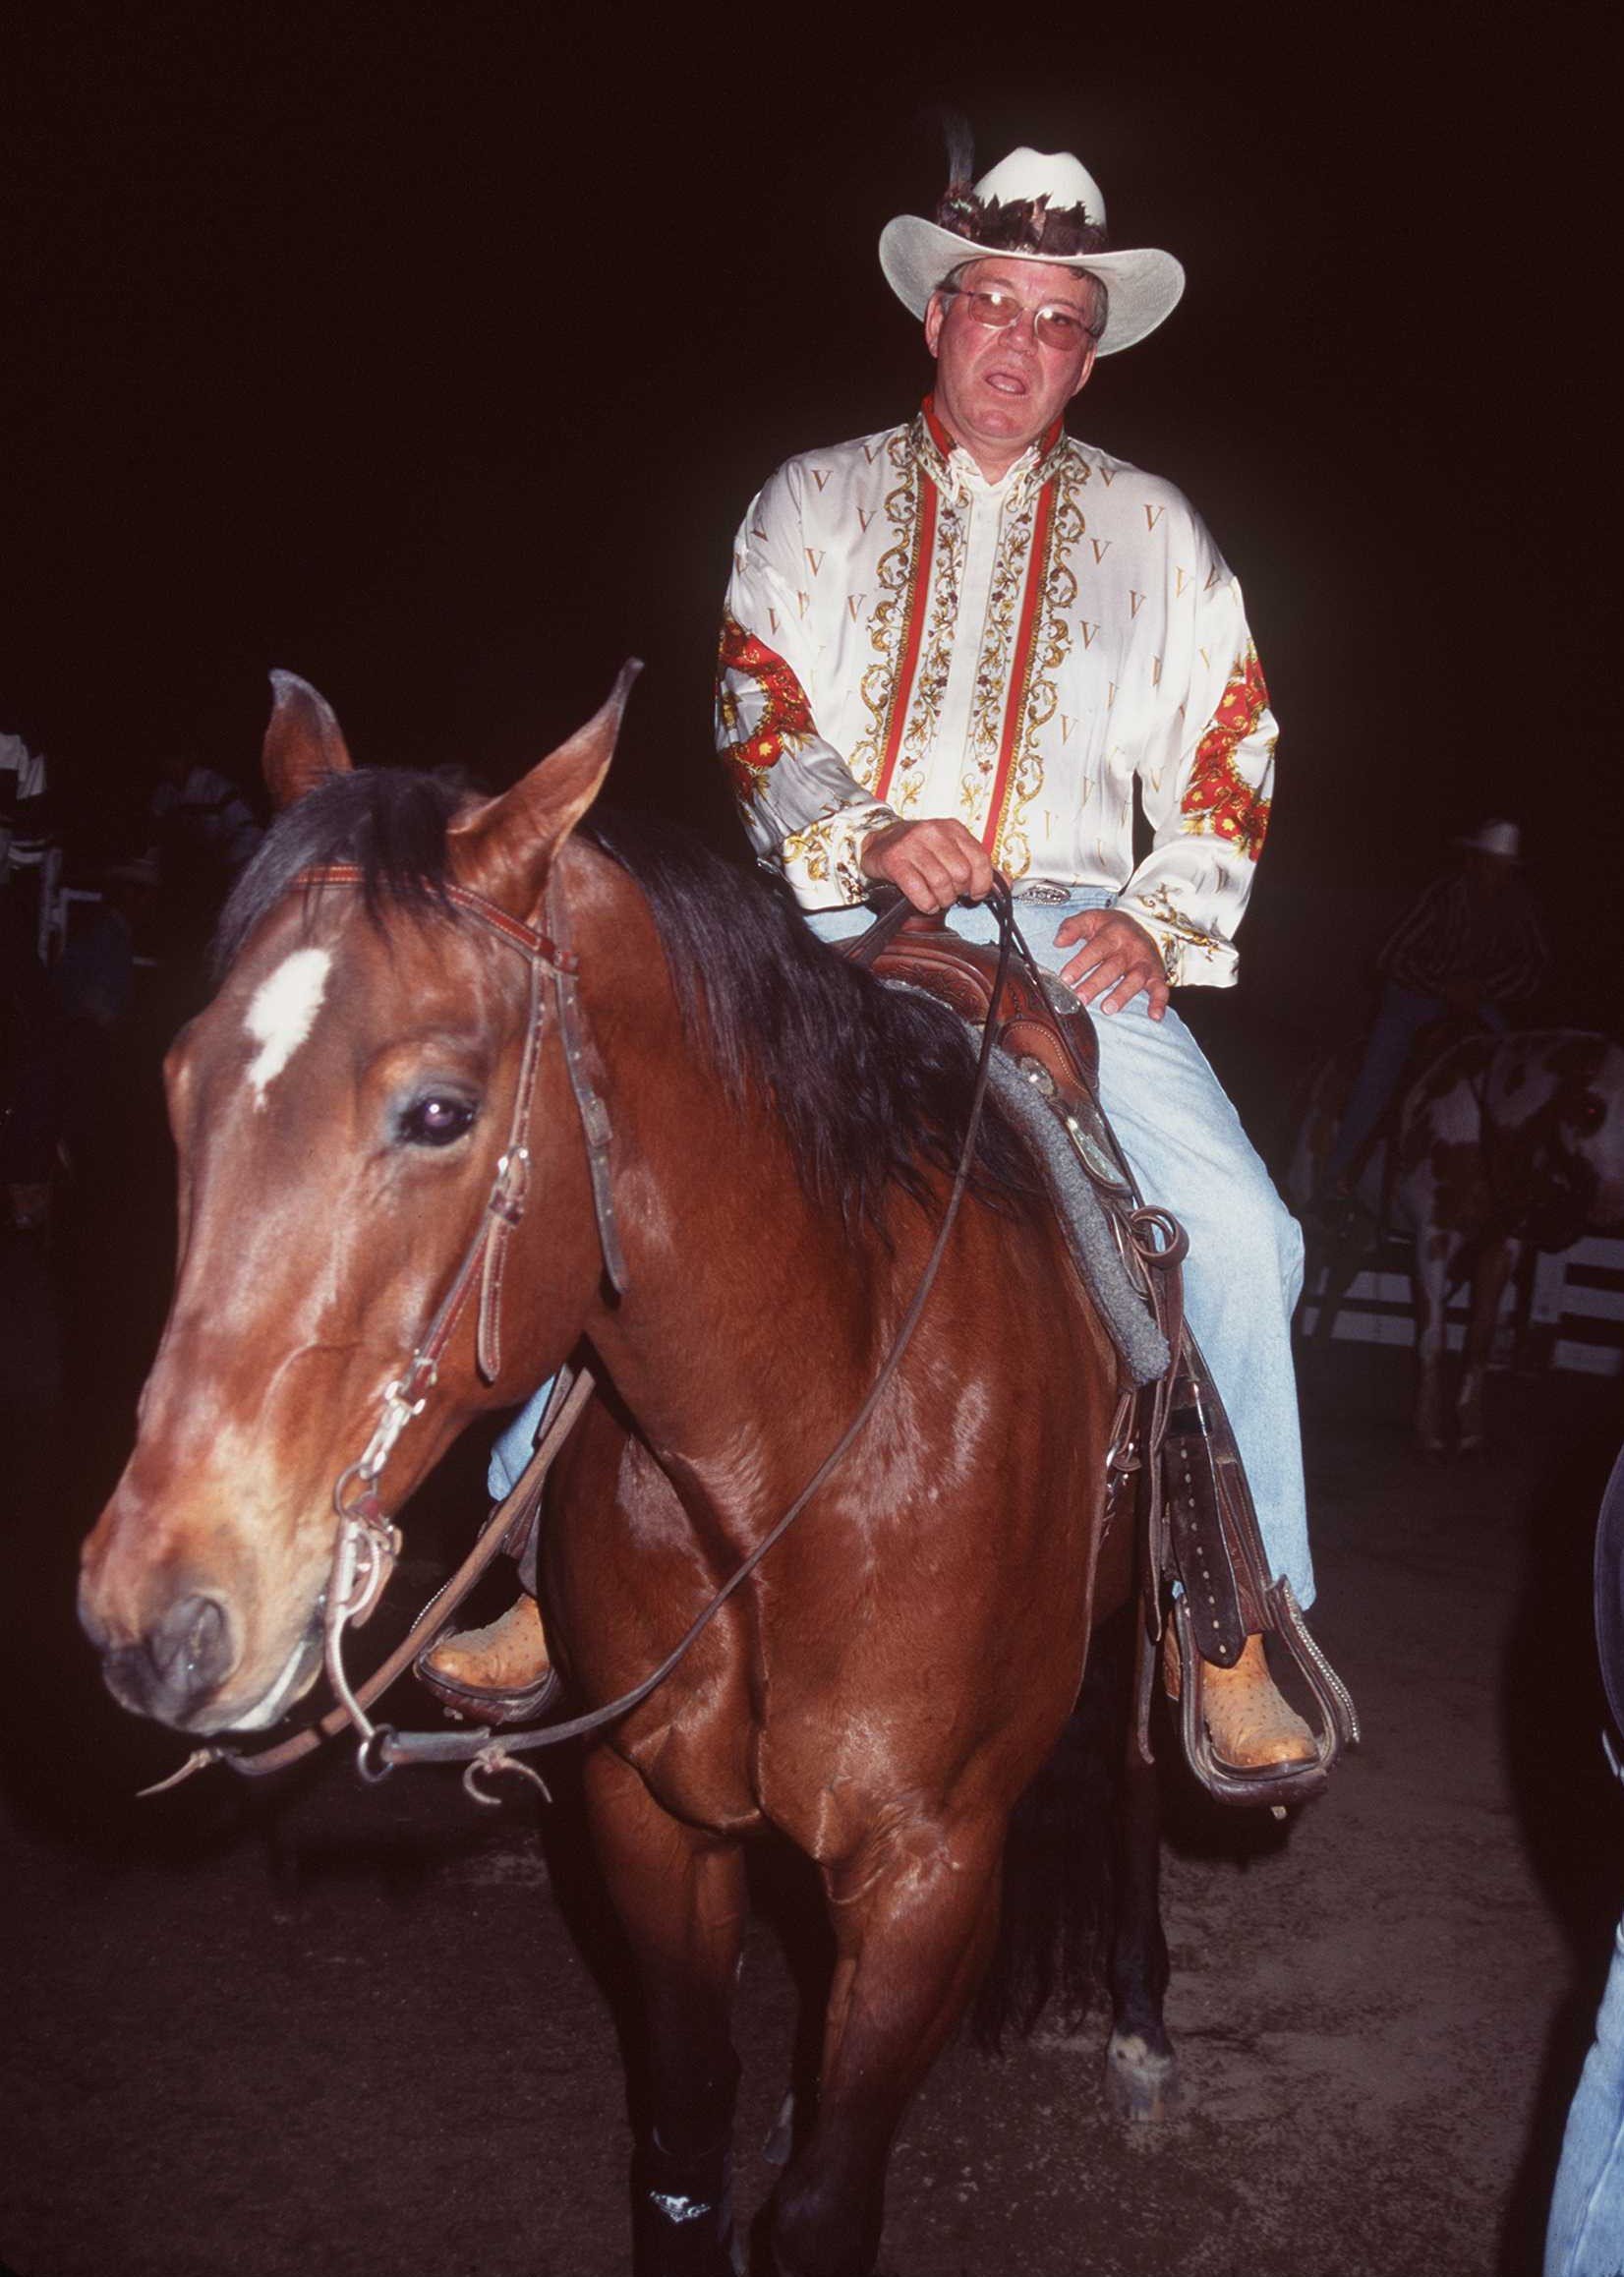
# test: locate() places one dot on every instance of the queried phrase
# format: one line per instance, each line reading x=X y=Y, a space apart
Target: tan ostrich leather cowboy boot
x=501 y=1673
x=1253 y=1727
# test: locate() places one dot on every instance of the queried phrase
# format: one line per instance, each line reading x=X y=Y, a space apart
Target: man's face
x=998 y=390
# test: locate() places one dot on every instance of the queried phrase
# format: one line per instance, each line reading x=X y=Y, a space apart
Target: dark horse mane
x=872 y=1085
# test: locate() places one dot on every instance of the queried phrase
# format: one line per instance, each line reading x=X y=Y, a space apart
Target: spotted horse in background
x=1506 y=1144
x=1500 y=1145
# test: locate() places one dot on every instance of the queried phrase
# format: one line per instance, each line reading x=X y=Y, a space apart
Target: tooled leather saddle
x=1202 y=1572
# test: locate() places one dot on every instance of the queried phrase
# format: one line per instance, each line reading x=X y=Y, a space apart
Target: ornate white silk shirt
x=904 y=639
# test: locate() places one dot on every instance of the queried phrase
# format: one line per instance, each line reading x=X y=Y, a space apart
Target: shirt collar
x=954 y=471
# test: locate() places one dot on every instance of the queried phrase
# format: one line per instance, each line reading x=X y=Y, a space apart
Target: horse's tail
x=1060 y=1860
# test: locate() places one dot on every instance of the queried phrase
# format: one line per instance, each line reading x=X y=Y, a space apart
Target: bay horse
x=783 y=1129
x=1498 y=1144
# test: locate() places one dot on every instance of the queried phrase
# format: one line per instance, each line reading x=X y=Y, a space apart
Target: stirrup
x=1284 y=1783
x=487 y=1703
x=522 y=1704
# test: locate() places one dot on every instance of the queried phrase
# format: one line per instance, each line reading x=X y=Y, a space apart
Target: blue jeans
x=1186 y=1148
x=1584 y=2236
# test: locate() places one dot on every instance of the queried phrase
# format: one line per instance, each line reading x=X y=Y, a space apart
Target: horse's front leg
x=915 y=1916
x=680 y=1895
x=1496 y=1262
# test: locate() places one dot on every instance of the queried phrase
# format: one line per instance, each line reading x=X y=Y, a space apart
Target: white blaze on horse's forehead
x=283 y=1012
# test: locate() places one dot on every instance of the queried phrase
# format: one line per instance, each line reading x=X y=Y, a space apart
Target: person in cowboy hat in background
x=962 y=644
x=1468 y=946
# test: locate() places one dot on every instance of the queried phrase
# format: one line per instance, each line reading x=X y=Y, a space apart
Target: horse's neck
x=748 y=1303
x=749 y=1300
x=746 y=1298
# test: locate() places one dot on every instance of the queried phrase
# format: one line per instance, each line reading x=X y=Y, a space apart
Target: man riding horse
x=959 y=646
x=1466 y=947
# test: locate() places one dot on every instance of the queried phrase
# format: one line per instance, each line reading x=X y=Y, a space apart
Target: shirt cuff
x=1191 y=956
x=823 y=862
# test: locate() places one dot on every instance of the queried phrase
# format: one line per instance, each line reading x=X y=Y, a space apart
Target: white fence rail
x=1565 y=1310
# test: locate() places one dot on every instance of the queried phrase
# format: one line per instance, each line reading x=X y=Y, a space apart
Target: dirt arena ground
x=375 y=2031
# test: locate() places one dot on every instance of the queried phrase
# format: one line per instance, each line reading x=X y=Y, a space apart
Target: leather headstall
x=369 y=1541
x=510 y=1184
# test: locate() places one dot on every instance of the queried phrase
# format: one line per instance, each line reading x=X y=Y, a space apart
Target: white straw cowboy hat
x=1494 y=838
x=1033 y=206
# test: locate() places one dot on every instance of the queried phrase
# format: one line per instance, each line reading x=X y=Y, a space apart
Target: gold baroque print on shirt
x=991 y=694
x=1039 y=700
x=928 y=478
x=808 y=850
x=930 y=681
x=829 y=852
x=888 y=624
x=1180 y=930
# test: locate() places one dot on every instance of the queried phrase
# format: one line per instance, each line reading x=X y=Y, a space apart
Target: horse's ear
x=303 y=743
x=504 y=848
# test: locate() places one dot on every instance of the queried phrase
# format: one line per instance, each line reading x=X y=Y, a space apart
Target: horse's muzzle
x=177 y=1665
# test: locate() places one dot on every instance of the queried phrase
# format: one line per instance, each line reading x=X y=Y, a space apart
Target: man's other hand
x=932 y=864
x=1118 y=955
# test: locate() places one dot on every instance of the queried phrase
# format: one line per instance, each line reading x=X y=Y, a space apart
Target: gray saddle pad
x=1122 y=1305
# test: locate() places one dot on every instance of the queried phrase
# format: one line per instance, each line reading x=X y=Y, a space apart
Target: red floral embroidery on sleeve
x=784 y=709
x=1219 y=799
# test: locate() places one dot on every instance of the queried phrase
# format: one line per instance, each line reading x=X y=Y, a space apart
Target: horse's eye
x=438 y=1119
x=1590 y=1114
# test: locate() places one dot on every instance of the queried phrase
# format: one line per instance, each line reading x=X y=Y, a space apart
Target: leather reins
x=369 y=1541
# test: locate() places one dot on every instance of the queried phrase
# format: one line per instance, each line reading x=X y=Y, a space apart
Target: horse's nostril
x=191 y=1648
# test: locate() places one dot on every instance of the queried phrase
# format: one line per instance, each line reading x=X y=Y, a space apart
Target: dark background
x=436 y=354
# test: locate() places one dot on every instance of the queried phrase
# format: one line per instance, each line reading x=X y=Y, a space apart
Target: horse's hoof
x=1141 y=2084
